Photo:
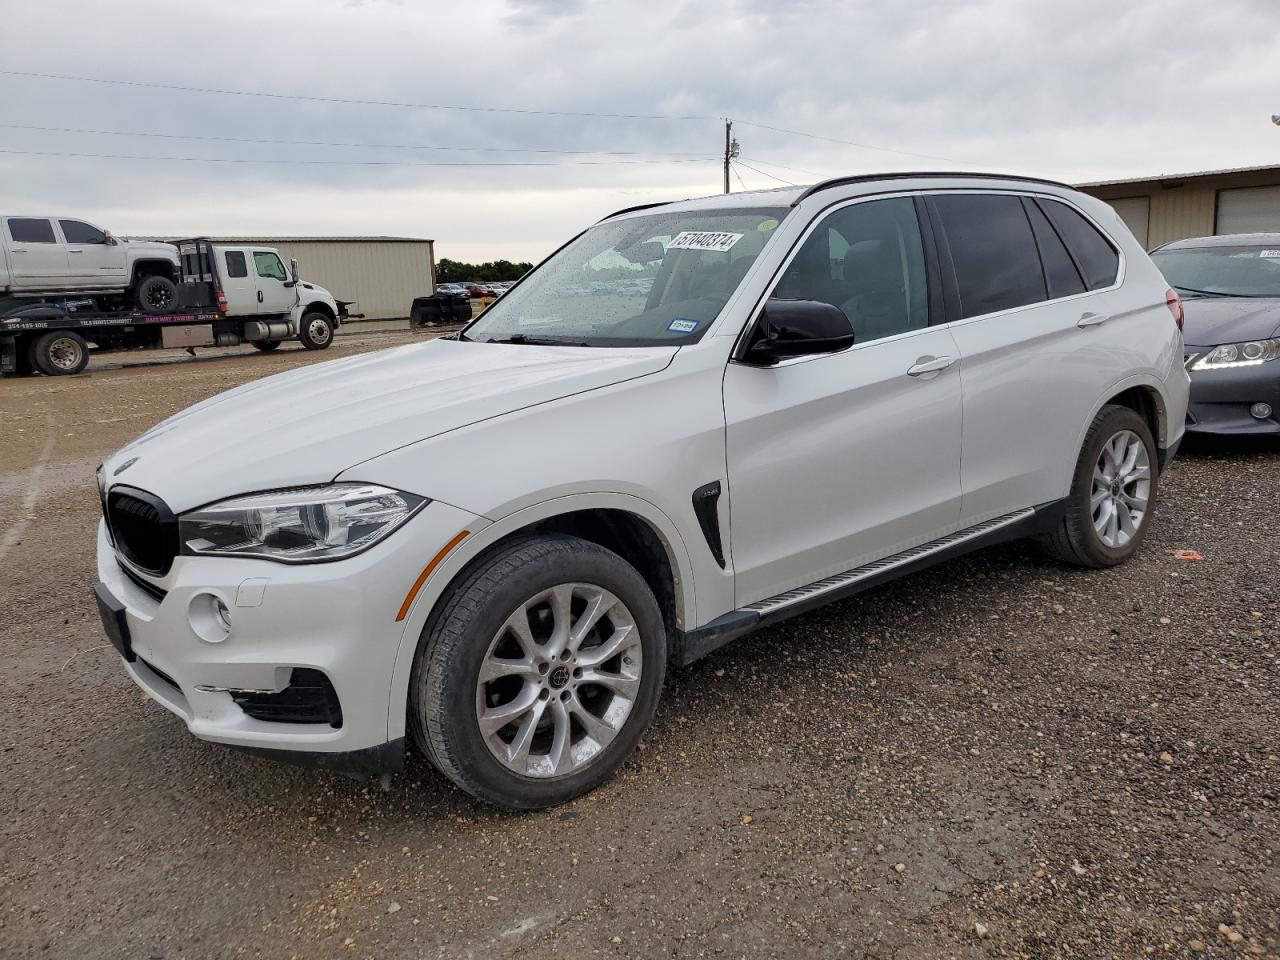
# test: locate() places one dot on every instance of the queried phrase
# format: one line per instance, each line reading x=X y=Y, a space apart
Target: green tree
x=455 y=271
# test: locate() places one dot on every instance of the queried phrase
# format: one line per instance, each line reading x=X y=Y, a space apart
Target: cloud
x=1087 y=90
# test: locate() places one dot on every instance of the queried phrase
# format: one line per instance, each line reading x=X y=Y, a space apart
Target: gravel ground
x=1000 y=757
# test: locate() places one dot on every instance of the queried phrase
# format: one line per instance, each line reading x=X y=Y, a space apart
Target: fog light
x=210 y=617
x=1260 y=411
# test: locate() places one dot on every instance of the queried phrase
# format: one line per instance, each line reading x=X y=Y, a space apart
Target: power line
x=358 y=163
x=854 y=143
x=783 y=166
x=739 y=176
x=152 y=85
x=344 y=143
x=763 y=174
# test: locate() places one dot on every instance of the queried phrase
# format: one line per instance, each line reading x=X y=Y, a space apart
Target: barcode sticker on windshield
x=1269 y=253
x=703 y=240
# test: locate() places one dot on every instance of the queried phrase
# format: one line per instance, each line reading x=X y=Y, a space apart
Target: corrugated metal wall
x=1183 y=207
x=382 y=276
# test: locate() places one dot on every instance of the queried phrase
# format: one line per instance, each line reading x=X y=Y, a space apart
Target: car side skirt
x=692 y=645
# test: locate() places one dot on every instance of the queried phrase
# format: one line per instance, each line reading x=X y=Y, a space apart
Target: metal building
x=381 y=274
x=1160 y=209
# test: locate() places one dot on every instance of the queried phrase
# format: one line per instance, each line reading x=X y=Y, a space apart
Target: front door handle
x=929 y=364
x=1092 y=319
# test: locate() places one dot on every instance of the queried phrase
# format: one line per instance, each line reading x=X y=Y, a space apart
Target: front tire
x=315 y=330
x=540 y=673
x=156 y=295
x=1112 y=493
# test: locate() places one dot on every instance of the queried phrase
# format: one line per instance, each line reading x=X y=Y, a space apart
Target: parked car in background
x=452 y=290
x=1230 y=288
x=43 y=257
x=340 y=557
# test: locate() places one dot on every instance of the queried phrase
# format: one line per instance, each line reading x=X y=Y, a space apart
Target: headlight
x=1239 y=355
x=303 y=525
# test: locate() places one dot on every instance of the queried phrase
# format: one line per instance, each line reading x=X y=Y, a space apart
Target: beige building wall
x=1184 y=206
x=381 y=276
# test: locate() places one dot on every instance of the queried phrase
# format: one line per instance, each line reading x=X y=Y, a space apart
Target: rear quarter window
x=1098 y=260
x=237 y=266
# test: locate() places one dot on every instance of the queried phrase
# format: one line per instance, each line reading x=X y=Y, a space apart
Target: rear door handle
x=259 y=296
x=1091 y=319
x=926 y=365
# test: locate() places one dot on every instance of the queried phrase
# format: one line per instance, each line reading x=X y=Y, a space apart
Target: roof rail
x=642 y=206
x=922 y=174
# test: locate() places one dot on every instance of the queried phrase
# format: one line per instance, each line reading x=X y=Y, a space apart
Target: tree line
x=455 y=271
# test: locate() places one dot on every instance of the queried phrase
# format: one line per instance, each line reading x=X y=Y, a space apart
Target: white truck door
x=238 y=284
x=37 y=259
x=273 y=295
x=91 y=261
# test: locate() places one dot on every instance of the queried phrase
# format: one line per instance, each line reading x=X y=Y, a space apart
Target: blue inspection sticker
x=681 y=325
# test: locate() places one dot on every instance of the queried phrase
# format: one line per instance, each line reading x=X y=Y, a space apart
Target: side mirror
x=293 y=270
x=108 y=239
x=796 y=328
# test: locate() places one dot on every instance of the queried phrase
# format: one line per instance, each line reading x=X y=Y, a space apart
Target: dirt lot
x=999 y=757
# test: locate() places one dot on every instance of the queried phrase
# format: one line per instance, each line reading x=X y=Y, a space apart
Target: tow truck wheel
x=266 y=346
x=157 y=295
x=60 y=353
x=315 y=330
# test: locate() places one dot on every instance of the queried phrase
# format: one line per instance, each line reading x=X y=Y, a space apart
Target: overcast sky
x=1091 y=89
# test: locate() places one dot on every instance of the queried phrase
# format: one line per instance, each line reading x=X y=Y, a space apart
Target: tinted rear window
x=237 y=266
x=993 y=250
x=1059 y=271
x=1097 y=258
x=30 y=230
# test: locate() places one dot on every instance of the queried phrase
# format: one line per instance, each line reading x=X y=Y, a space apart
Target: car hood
x=308 y=425
x=1214 y=320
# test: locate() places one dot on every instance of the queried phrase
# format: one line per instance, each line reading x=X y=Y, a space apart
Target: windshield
x=641 y=281
x=1222 y=271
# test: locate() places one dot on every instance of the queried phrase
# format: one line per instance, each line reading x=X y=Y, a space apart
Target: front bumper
x=336 y=618
x=1220 y=399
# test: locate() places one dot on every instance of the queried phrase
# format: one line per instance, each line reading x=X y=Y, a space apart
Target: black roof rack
x=913 y=174
x=641 y=206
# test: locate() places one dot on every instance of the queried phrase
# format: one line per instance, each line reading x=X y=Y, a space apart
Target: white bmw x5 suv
x=693 y=420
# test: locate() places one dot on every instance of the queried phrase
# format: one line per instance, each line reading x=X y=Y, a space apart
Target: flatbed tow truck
x=53 y=336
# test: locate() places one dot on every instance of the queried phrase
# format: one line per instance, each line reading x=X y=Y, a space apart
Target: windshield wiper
x=520 y=338
x=1221 y=293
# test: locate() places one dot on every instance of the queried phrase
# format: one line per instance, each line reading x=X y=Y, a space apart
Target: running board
x=696 y=644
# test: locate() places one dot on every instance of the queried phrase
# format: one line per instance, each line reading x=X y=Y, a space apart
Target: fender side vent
x=705 y=502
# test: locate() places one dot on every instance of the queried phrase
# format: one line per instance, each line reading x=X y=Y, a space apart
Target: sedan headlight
x=303 y=525
x=1246 y=354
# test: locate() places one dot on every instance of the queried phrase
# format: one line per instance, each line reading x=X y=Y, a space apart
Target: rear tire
x=578 y=709
x=266 y=346
x=60 y=353
x=1113 y=493
x=315 y=330
x=156 y=295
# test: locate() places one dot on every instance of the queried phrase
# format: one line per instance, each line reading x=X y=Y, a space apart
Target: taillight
x=1174 y=303
x=222 y=304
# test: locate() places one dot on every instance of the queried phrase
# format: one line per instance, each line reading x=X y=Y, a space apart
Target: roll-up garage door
x=1248 y=210
x=1136 y=213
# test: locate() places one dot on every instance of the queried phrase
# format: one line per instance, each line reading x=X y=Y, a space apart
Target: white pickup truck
x=43 y=257
x=222 y=295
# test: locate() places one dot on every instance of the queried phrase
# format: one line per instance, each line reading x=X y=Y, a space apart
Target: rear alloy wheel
x=540 y=671
x=1112 y=494
x=315 y=330
x=60 y=353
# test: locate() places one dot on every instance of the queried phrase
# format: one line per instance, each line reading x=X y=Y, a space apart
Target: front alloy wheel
x=538 y=671
x=559 y=680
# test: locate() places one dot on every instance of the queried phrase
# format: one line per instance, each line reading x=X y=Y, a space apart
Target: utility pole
x=730 y=150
